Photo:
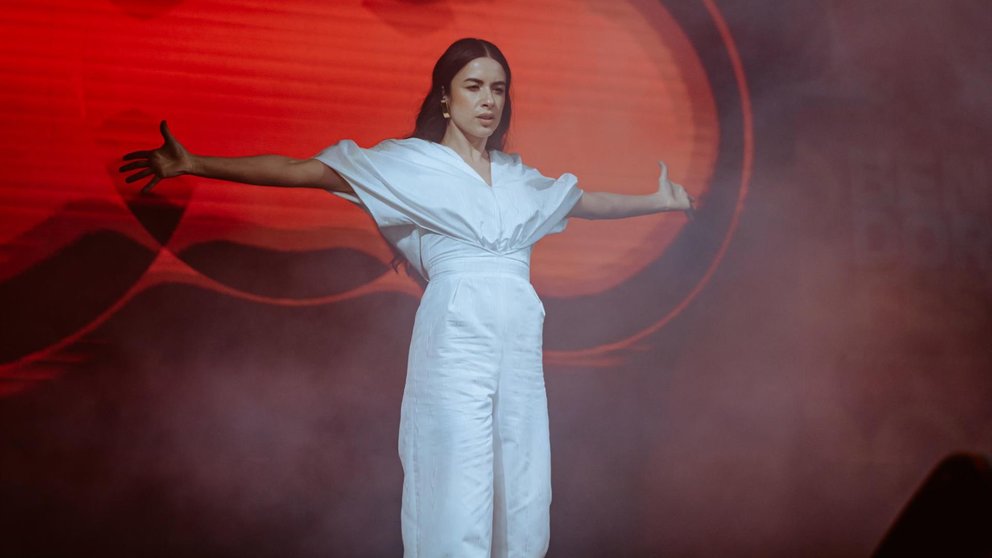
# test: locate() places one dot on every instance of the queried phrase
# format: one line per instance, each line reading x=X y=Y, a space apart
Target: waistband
x=479 y=266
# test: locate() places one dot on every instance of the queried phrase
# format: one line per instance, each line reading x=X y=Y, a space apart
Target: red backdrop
x=605 y=90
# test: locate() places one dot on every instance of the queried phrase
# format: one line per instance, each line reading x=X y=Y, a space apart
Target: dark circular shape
x=654 y=296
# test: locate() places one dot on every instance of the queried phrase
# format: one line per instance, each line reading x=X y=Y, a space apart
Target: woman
x=474 y=426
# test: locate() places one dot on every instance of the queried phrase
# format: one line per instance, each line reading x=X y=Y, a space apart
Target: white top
x=413 y=188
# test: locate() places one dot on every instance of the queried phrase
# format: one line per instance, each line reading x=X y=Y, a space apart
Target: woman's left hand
x=673 y=196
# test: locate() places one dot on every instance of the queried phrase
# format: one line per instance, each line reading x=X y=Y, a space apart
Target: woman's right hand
x=673 y=196
x=167 y=161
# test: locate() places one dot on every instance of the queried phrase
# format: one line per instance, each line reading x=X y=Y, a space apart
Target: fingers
x=682 y=194
x=148 y=187
x=678 y=192
x=142 y=160
x=134 y=165
x=138 y=176
x=690 y=210
x=143 y=154
x=164 y=128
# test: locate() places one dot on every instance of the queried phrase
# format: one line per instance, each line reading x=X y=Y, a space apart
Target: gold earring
x=445 y=110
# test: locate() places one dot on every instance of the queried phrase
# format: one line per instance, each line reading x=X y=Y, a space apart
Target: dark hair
x=430 y=123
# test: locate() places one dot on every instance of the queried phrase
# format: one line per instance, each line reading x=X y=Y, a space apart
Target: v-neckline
x=474 y=172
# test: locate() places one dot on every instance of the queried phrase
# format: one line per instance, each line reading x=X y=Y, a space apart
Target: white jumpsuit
x=474 y=424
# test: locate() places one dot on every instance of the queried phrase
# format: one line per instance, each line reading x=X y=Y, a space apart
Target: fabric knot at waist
x=480 y=265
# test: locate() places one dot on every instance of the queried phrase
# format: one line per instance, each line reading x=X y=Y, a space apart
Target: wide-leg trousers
x=474 y=438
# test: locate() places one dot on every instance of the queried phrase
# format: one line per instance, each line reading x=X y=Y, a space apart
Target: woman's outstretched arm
x=172 y=159
x=605 y=205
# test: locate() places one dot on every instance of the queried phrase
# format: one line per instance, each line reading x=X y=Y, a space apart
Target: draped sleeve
x=543 y=202
x=392 y=203
x=384 y=200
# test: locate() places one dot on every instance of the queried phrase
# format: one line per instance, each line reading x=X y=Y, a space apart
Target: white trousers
x=474 y=422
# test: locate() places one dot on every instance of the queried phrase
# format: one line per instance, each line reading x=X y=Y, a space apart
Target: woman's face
x=476 y=98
